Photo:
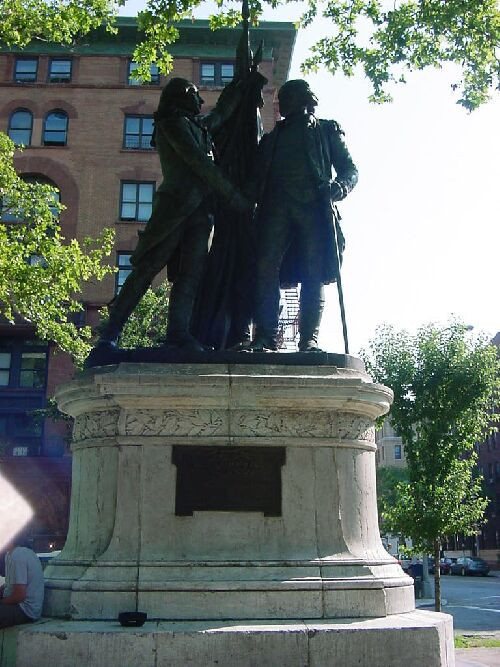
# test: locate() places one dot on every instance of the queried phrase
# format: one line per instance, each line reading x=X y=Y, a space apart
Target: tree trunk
x=437 y=575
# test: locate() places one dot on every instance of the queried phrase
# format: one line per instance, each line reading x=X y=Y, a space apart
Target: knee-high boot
x=180 y=311
x=312 y=303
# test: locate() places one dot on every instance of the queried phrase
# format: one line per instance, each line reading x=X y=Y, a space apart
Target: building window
x=397 y=452
x=32 y=372
x=26 y=426
x=5 y=360
x=37 y=260
x=9 y=214
x=216 y=73
x=124 y=269
x=133 y=81
x=55 y=129
x=23 y=366
x=138 y=132
x=26 y=70
x=136 y=201
x=43 y=180
x=20 y=127
x=59 y=71
x=20 y=434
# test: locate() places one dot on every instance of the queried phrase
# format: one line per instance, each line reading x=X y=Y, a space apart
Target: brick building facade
x=86 y=124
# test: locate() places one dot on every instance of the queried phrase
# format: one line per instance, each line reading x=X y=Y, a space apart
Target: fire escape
x=288 y=326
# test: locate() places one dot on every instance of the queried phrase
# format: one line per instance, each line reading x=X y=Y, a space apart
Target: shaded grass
x=476 y=641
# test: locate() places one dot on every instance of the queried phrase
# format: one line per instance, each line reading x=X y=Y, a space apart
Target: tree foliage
x=40 y=273
x=60 y=21
x=445 y=385
x=384 y=39
x=147 y=325
x=388 y=479
x=411 y=36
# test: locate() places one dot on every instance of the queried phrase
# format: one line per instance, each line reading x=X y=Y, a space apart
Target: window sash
x=227 y=72
x=21 y=120
x=207 y=73
x=133 y=81
x=55 y=129
x=138 y=132
x=216 y=73
x=136 y=201
x=124 y=269
x=20 y=137
x=5 y=363
x=26 y=70
x=60 y=71
x=33 y=367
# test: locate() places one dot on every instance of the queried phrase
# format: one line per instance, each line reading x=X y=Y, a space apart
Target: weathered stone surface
x=415 y=639
x=316 y=554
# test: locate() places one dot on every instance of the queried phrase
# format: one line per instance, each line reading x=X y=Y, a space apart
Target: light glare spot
x=15 y=512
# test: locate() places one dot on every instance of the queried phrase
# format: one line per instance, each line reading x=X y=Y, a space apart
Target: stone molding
x=320 y=424
x=90 y=425
x=174 y=422
x=340 y=426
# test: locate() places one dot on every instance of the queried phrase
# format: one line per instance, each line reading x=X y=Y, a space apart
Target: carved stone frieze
x=318 y=424
x=174 y=422
x=204 y=422
x=95 y=425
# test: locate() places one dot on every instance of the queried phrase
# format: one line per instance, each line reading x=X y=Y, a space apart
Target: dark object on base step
x=132 y=619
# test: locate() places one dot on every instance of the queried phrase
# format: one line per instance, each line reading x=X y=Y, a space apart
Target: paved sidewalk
x=477 y=657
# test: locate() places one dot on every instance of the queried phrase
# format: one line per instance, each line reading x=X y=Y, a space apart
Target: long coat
x=325 y=148
x=190 y=176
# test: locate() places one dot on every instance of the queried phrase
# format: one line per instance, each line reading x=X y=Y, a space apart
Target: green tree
x=388 y=479
x=40 y=273
x=445 y=383
x=147 y=326
x=384 y=41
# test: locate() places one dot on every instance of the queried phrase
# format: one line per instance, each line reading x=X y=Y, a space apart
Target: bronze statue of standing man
x=297 y=226
x=178 y=231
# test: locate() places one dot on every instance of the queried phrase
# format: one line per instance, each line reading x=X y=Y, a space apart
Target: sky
x=422 y=225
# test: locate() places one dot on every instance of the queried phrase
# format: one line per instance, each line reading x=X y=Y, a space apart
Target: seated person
x=21 y=598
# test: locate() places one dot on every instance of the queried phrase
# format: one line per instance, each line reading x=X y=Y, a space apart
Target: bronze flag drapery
x=222 y=313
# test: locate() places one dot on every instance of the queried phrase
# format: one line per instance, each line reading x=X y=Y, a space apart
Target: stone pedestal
x=299 y=444
x=223 y=492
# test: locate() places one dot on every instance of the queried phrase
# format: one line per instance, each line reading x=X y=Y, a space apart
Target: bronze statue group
x=275 y=225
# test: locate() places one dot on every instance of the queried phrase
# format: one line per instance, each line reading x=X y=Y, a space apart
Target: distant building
x=86 y=123
x=488 y=541
x=390 y=450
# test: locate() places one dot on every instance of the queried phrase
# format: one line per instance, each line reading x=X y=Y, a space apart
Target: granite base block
x=415 y=639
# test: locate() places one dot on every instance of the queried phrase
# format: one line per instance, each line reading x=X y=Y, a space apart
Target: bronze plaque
x=228 y=479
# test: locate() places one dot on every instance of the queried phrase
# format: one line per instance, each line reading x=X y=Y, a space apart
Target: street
x=474 y=602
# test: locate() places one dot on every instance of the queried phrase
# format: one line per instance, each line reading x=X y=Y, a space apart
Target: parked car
x=444 y=565
x=470 y=565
